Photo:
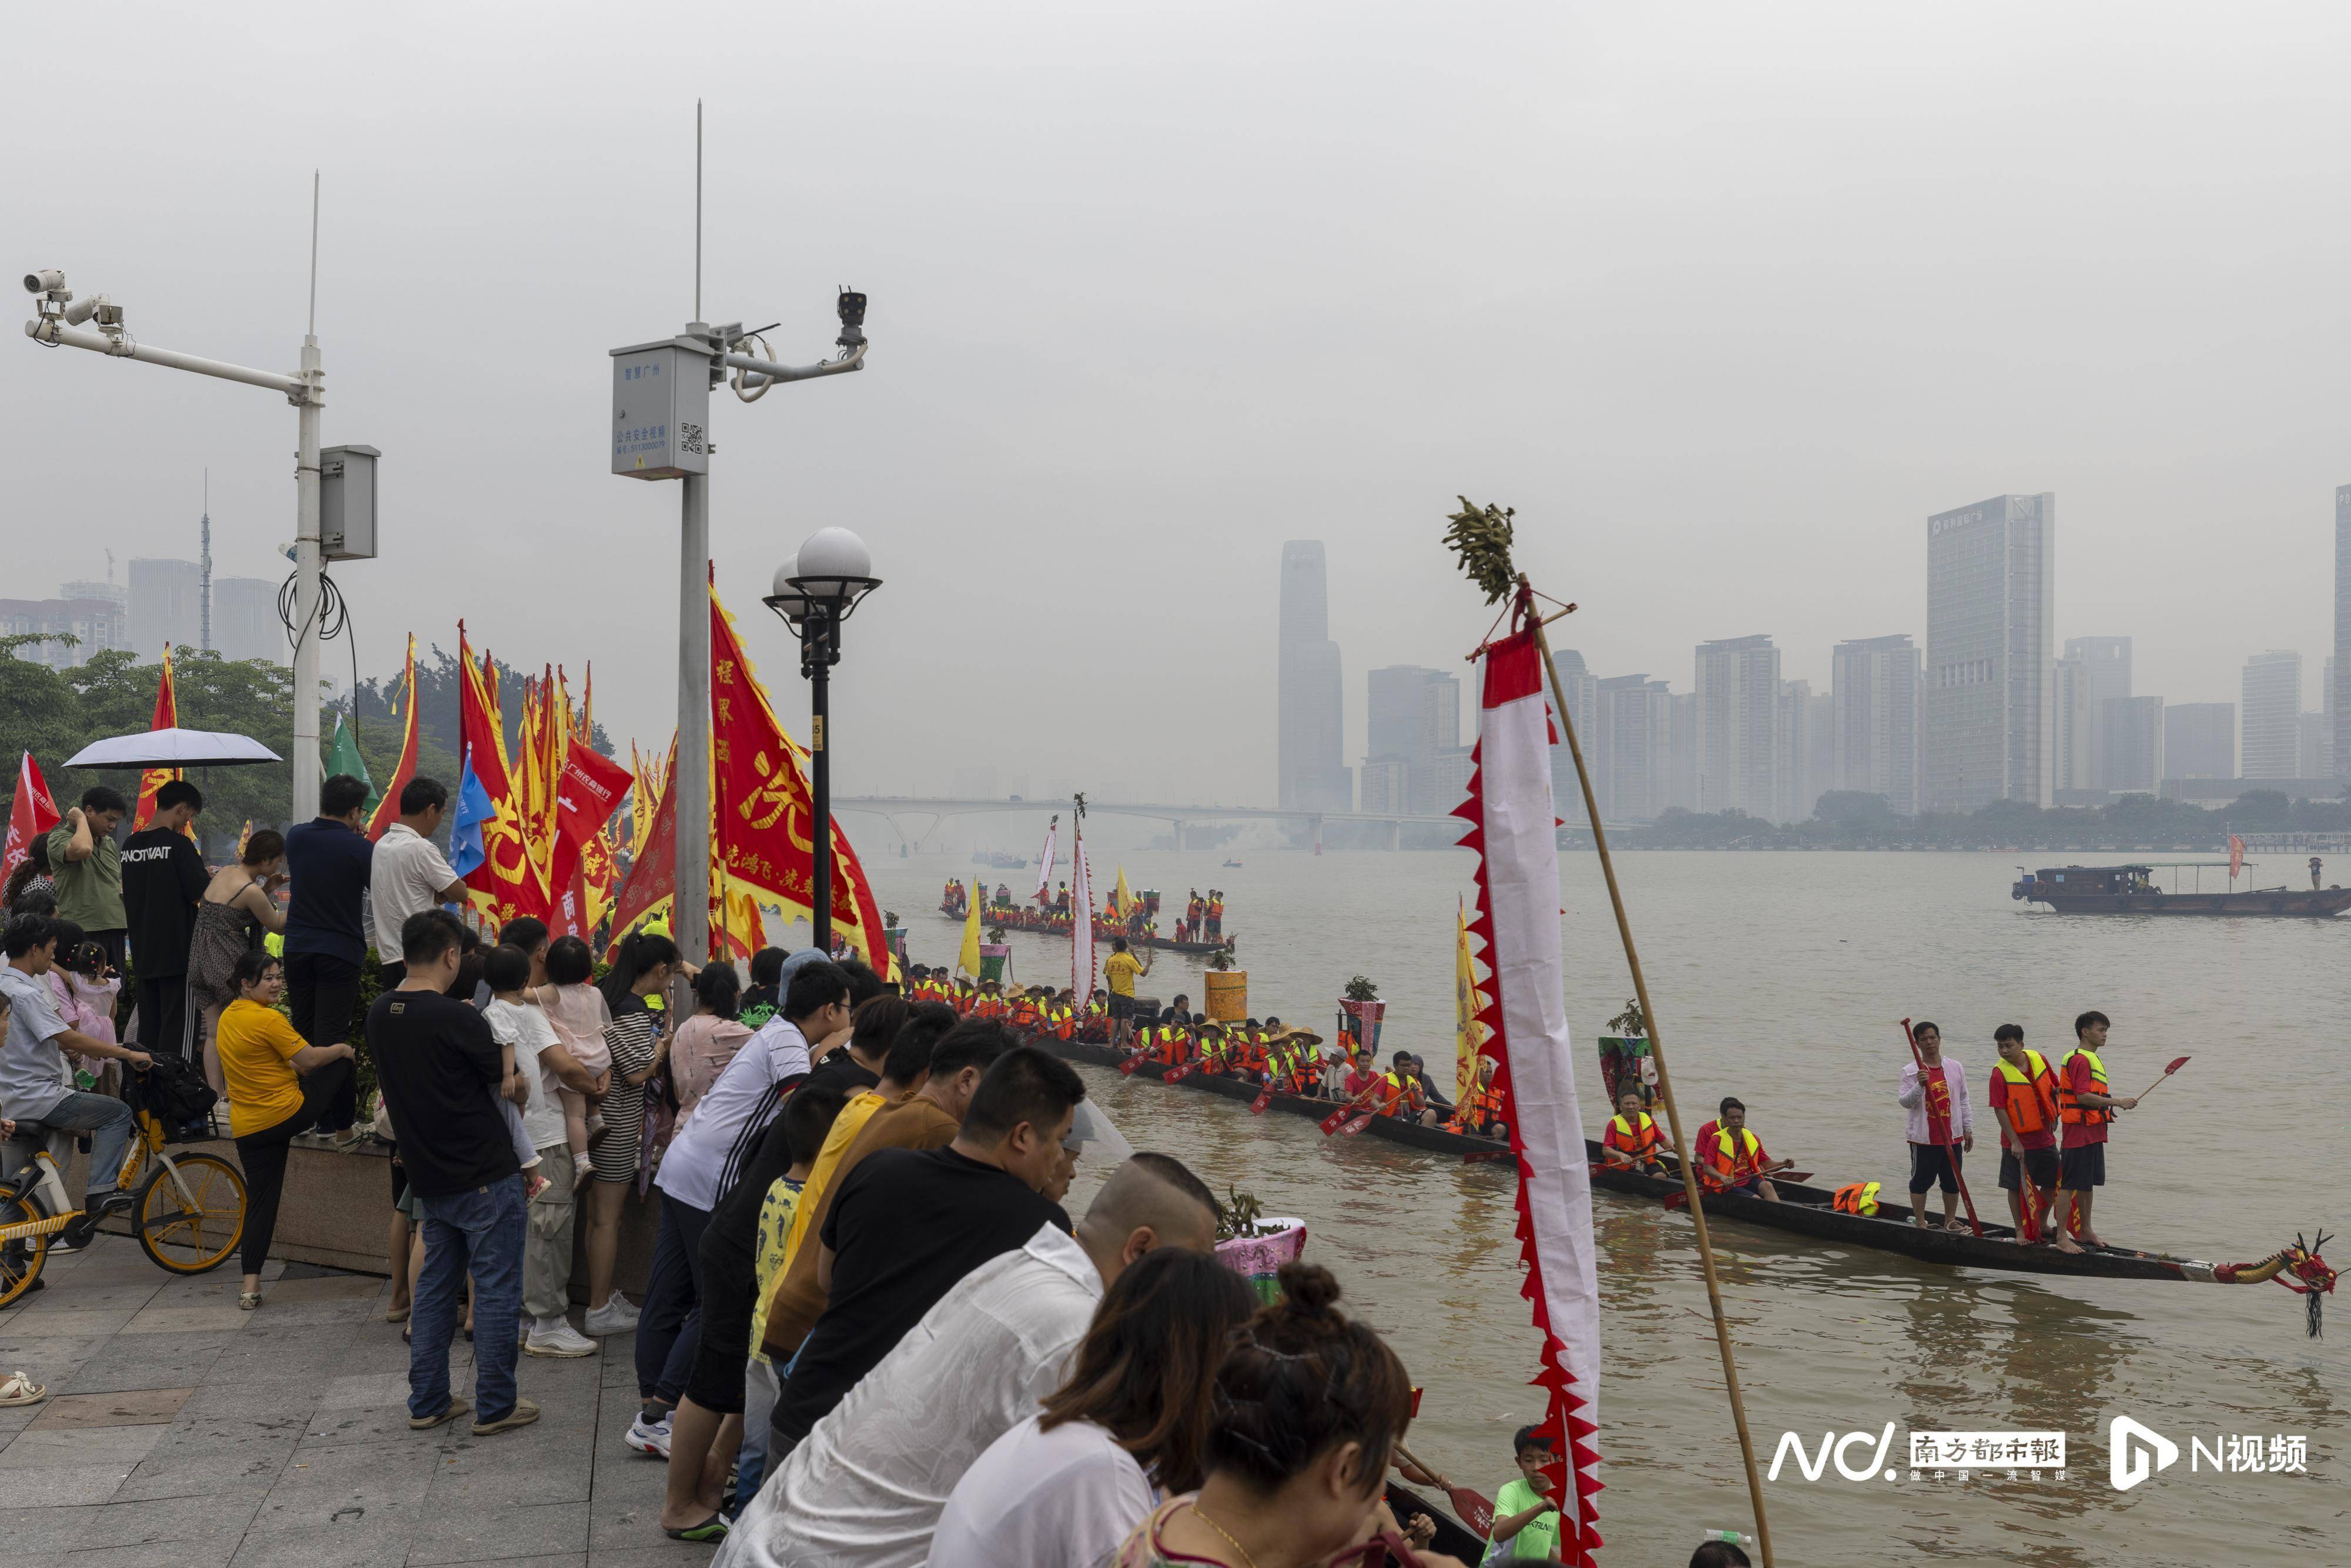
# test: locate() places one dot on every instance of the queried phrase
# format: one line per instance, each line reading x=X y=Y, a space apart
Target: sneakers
x=523 y=1414
x=349 y=1138
x=615 y=1316
x=583 y=1171
x=649 y=1437
x=450 y=1412
x=562 y=1340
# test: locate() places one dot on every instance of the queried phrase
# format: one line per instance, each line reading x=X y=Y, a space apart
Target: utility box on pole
x=347 y=503
x=660 y=410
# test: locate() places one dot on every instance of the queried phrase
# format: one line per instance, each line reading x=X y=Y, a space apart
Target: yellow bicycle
x=187 y=1209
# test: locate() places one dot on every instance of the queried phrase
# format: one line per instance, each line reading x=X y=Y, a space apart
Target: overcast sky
x=1725 y=300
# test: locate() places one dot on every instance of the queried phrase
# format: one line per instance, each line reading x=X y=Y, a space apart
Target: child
x=1631 y=1138
x=808 y=1116
x=86 y=989
x=1526 y=1521
x=581 y=1015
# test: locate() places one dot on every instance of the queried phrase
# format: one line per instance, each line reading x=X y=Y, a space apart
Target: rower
x=1632 y=1139
x=2085 y=1108
x=2024 y=1098
x=1480 y=1114
x=1435 y=1106
x=1363 y=1078
x=1937 y=1104
x=1399 y=1095
x=1735 y=1159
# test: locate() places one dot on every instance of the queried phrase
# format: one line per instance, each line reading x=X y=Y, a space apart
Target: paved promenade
x=182 y=1433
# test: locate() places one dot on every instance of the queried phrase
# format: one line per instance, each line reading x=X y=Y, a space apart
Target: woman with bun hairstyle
x=1307 y=1411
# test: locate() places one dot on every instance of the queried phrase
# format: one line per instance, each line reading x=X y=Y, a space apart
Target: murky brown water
x=1780 y=977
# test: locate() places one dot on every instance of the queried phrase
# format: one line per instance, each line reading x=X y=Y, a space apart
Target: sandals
x=18 y=1389
x=711 y=1528
x=454 y=1408
x=248 y=1300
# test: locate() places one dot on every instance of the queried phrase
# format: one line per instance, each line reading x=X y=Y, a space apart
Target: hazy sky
x=1725 y=300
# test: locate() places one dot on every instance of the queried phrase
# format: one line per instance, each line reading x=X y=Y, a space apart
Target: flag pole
x=1665 y=1079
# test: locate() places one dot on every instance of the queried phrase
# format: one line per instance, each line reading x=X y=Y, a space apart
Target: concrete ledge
x=337 y=1207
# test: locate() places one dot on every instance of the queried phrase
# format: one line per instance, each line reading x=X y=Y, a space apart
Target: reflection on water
x=1779 y=977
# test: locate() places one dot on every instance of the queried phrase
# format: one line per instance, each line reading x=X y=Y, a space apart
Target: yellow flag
x=1469 y=1034
x=1122 y=898
x=968 y=961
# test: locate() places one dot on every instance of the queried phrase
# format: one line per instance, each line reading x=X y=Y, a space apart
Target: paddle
x=2178 y=1062
x=1950 y=1139
x=1468 y=1507
x=1331 y=1122
x=1133 y=1062
x=1264 y=1098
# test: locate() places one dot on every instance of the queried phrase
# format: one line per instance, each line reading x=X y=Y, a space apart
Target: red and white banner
x=33 y=814
x=1513 y=827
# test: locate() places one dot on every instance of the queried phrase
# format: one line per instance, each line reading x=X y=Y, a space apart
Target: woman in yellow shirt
x=278 y=1085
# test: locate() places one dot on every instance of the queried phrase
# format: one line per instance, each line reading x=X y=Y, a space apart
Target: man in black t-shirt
x=441 y=1072
x=163 y=876
x=907 y=1226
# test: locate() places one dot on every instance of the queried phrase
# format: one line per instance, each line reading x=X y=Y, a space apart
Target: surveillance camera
x=852 y=306
x=110 y=314
x=48 y=280
x=81 y=310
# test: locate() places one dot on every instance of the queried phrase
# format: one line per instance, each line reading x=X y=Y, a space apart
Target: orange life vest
x=2071 y=1110
x=2032 y=1101
x=1640 y=1145
x=1403 y=1096
x=1728 y=1165
x=1479 y=1109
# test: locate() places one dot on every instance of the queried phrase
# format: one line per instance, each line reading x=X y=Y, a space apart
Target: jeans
x=322 y=991
x=761 y=1387
x=108 y=1122
x=263 y=1155
x=479 y=1232
x=668 y=1328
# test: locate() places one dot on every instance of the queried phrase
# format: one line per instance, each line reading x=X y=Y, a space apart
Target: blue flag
x=474 y=809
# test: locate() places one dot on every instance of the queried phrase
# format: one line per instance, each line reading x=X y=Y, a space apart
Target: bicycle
x=187 y=1210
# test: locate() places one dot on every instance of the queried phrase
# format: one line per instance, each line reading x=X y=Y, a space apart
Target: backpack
x=173 y=1090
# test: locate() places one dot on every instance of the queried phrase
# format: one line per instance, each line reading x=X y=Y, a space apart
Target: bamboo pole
x=1665 y=1088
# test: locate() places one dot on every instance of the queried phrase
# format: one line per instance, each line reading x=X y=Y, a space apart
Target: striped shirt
x=710 y=1150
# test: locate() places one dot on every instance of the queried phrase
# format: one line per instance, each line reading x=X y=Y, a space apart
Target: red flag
x=387 y=808
x=505 y=886
x=586 y=792
x=653 y=873
x=33 y=814
x=167 y=717
x=2236 y=856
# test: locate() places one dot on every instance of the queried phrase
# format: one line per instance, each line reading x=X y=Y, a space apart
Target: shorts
x=1932 y=1163
x=2084 y=1168
x=2043 y=1163
x=1121 y=1008
x=398 y=1175
x=715 y=1380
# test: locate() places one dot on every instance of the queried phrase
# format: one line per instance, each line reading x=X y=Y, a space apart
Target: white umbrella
x=173 y=748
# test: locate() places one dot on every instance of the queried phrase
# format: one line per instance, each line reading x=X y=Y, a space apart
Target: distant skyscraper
x=1636 y=747
x=2133 y=728
x=2074 y=722
x=2341 y=706
x=165 y=605
x=1990 y=653
x=1414 y=718
x=245 y=618
x=1791 y=792
x=2315 y=758
x=1582 y=695
x=2200 y=740
x=2328 y=731
x=1309 y=705
x=2107 y=662
x=1874 y=684
x=2272 y=709
x=1739 y=726
x=95 y=625
x=1681 y=769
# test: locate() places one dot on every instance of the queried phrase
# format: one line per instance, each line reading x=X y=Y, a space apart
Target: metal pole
x=309 y=765
x=824 y=632
x=689 y=921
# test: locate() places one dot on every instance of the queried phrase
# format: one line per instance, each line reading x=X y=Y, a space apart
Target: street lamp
x=815 y=591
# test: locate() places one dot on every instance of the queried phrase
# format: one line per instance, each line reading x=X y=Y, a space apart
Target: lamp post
x=815 y=591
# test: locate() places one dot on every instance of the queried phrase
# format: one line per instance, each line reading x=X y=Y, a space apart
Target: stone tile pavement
x=180 y=1431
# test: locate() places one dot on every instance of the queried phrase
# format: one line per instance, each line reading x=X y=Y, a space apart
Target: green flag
x=343 y=757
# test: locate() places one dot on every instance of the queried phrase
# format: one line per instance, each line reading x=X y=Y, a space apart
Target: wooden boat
x=1803 y=1210
x=2131 y=890
x=1453 y=1538
x=1039 y=925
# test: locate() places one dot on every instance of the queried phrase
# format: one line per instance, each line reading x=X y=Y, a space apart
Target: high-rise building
x=1821 y=726
x=2328 y=730
x=1791 y=782
x=165 y=605
x=2200 y=740
x=2073 y=723
x=1309 y=704
x=2133 y=728
x=2272 y=709
x=1636 y=747
x=1414 y=718
x=245 y=618
x=2106 y=661
x=95 y=625
x=1583 y=697
x=1681 y=769
x=2341 y=706
x=1874 y=687
x=1738 y=724
x=2315 y=758
x=1991 y=654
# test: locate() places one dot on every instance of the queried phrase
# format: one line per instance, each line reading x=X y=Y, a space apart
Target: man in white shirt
x=1941 y=1127
x=865 y=1487
x=409 y=874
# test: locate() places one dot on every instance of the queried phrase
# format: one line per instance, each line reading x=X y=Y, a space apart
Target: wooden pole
x=1665 y=1089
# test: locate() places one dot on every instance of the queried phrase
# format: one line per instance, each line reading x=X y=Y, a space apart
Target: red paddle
x=1133 y=1062
x=1264 y=1098
x=1358 y=1125
x=1331 y=1122
x=1950 y=1139
x=1468 y=1506
x=2178 y=1062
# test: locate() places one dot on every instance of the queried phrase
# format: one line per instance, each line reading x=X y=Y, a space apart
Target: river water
x=1780 y=977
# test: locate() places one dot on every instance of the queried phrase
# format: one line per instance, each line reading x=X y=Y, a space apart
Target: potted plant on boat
x=1361 y=1003
x=1228 y=987
x=1254 y=1244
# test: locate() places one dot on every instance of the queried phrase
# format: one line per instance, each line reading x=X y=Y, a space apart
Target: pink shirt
x=704 y=1047
x=1949 y=1092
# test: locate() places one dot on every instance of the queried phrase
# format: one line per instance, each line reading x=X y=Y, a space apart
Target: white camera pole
x=57 y=324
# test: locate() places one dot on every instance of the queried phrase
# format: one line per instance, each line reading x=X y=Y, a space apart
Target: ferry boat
x=2132 y=890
